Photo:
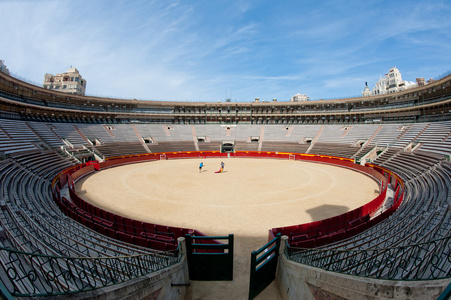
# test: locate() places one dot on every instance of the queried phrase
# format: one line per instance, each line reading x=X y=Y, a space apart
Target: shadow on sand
x=326 y=211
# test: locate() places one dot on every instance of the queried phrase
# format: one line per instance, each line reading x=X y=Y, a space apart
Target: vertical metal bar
x=230 y=249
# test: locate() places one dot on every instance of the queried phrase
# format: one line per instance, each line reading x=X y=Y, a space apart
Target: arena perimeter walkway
x=249 y=198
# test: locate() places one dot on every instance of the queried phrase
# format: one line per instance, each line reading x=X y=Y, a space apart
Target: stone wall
x=164 y=284
x=298 y=281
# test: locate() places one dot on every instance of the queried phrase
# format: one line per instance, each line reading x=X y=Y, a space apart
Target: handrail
x=5 y=293
x=423 y=258
x=57 y=275
x=446 y=294
x=381 y=263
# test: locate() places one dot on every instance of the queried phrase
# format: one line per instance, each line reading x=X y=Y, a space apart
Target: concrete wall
x=157 y=285
x=297 y=281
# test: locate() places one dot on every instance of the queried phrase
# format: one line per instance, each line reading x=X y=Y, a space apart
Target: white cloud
x=195 y=50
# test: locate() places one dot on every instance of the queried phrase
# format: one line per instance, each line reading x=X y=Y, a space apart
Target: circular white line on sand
x=250 y=197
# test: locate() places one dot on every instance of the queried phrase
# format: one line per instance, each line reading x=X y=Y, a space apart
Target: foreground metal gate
x=263 y=266
x=208 y=259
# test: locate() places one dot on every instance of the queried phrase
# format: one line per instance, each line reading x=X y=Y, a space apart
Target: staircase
x=108 y=130
x=39 y=137
x=346 y=131
x=82 y=135
x=260 y=140
x=141 y=139
x=367 y=142
x=196 y=144
x=289 y=131
x=318 y=134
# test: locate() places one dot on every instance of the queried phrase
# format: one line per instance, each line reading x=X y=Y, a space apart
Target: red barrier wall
x=309 y=234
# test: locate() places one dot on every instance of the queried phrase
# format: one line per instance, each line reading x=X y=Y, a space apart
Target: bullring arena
x=332 y=199
x=245 y=200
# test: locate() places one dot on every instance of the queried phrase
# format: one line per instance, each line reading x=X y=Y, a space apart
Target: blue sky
x=212 y=50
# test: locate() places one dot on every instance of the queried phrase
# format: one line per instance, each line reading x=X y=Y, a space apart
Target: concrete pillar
x=283 y=244
x=182 y=243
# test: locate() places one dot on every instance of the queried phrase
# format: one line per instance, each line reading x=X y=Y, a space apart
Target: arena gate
x=263 y=267
x=208 y=259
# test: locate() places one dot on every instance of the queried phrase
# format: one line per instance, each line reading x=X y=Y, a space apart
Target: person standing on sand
x=200 y=167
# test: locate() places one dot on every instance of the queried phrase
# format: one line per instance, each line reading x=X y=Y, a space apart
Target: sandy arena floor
x=249 y=198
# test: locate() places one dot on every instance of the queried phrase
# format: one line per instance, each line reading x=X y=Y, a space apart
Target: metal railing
x=421 y=261
x=30 y=274
x=415 y=244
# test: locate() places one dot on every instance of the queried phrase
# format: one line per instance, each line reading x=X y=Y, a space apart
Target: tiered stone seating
x=386 y=135
x=31 y=223
x=18 y=131
x=435 y=139
x=342 y=150
x=173 y=146
x=422 y=217
x=213 y=133
x=12 y=141
x=409 y=134
x=346 y=134
x=249 y=146
x=69 y=132
x=46 y=134
x=210 y=146
x=118 y=149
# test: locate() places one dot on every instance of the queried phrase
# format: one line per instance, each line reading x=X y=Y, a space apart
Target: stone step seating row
x=407 y=165
x=119 y=149
x=428 y=222
x=248 y=146
x=45 y=133
x=284 y=147
x=341 y=150
x=31 y=222
x=67 y=131
x=30 y=193
x=9 y=147
x=182 y=135
x=145 y=130
x=318 y=233
x=172 y=146
x=10 y=144
x=423 y=216
x=18 y=130
x=125 y=133
x=346 y=134
x=386 y=136
x=418 y=211
x=206 y=146
x=411 y=132
x=45 y=248
x=301 y=132
x=101 y=133
x=172 y=133
x=278 y=133
x=386 y=155
x=434 y=138
x=215 y=133
x=144 y=234
x=240 y=133
x=46 y=163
